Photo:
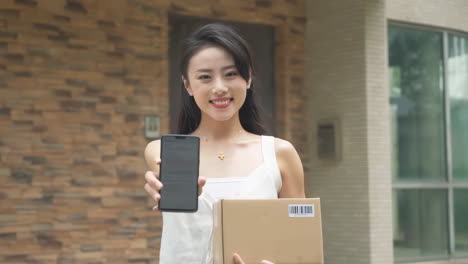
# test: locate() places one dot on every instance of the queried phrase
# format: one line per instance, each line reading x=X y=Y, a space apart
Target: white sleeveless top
x=187 y=237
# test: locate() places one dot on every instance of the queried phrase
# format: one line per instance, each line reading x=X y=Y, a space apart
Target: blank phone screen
x=179 y=173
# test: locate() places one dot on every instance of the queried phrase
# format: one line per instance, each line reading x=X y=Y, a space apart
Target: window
x=429 y=114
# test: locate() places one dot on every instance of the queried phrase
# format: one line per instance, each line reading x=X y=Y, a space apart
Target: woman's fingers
x=152 y=180
x=153 y=193
x=201 y=183
x=153 y=185
x=237 y=259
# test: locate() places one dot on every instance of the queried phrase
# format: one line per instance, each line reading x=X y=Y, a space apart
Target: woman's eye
x=233 y=73
x=204 y=77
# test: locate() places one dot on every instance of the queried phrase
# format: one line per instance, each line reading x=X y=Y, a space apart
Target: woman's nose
x=219 y=87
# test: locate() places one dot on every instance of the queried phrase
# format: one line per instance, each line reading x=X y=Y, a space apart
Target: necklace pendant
x=221 y=156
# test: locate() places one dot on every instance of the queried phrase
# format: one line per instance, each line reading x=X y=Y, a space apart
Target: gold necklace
x=221 y=155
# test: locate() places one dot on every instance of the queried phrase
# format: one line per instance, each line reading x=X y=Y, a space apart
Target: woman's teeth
x=221 y=102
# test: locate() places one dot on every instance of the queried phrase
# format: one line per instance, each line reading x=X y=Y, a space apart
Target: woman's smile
x=221 y=102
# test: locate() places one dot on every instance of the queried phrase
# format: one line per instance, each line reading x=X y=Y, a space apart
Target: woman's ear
x=187 y=86
x=249 y=83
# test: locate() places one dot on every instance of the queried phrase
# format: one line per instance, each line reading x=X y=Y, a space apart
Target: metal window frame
x=448 y=147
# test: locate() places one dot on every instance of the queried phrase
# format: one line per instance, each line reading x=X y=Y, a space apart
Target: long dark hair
x=227 y=38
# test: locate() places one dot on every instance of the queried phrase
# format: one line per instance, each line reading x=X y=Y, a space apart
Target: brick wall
x=76 y=79
x=346 y=66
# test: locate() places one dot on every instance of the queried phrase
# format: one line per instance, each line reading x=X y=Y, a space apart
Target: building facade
x=393 y=76
x=373 y=94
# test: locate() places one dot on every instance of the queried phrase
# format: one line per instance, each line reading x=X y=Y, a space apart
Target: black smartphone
x=179 y=173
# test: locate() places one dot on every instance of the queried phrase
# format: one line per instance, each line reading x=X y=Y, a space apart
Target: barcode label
x=301 y=210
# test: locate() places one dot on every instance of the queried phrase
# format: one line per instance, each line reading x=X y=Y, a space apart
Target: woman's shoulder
x=283 y=146
x=285 y=151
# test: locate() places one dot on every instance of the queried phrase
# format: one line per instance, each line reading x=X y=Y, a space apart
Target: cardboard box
x=284 y=231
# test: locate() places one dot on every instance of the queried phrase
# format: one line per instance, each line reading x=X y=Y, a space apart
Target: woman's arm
x=292 y=172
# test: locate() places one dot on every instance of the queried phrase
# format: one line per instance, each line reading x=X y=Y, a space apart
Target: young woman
x=236 y=160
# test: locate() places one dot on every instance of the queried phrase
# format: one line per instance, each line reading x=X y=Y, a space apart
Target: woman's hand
x=153 y=186
x=238 y=260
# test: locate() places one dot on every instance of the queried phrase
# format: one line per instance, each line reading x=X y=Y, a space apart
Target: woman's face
x=215 y=83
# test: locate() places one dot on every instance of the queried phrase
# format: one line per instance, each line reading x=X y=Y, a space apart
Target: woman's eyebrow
x=204 y=70
x=210 y=70
x=228 y=67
